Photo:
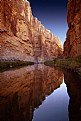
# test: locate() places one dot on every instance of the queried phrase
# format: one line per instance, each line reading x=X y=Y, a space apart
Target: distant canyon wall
x=22 y=36
x=72 y=45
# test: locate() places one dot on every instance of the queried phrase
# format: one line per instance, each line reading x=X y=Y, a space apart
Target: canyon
x=72 y=45
x=23 y=37
x=29 y=90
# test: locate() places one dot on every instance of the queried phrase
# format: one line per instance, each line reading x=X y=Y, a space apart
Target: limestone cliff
x=22 y=36
x=72 y=45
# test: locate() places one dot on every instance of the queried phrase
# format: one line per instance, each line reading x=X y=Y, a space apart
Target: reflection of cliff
x=74 y=90
x=24 y=89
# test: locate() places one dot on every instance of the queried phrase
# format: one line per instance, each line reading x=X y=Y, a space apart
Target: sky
x=52 y=14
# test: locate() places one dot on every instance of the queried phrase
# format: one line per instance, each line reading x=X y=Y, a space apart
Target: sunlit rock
x=22 y=36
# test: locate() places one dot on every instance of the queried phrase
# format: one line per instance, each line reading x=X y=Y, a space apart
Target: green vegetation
x=69 y=63
x=5 y=65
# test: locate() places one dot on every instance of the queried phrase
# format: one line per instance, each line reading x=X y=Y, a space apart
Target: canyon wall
x=22 y=36
x=72 y=45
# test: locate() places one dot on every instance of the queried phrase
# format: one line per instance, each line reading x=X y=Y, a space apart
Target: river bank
x=9 y=64
x=73 y=64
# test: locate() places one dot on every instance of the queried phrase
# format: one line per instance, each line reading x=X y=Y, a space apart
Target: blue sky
x=52 y=14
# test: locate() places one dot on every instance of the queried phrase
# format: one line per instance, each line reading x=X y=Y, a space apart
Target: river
x=40 y=93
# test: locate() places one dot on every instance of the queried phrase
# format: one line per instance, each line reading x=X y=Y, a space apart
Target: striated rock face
x=72 y=45
x=22 y=36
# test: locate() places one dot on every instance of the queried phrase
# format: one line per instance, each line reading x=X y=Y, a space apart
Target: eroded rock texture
x=72 y=46
x=22 y=36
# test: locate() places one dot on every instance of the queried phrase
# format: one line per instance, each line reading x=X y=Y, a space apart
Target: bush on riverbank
x=13 y=64
x=69 y=63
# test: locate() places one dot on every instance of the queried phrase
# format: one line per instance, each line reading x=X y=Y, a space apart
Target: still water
x=40 y=93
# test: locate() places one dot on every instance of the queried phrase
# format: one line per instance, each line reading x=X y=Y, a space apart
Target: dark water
x=40 y=93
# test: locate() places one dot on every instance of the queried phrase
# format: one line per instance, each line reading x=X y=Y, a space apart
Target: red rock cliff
x=22 y=36
x=72 y=45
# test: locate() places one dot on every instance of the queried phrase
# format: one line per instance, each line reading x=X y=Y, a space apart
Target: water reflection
x=74 y=90
x=23 y=90
x=55 y=107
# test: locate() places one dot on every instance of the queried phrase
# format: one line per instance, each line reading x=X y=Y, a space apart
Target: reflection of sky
x=52 y=14
x=55 y=107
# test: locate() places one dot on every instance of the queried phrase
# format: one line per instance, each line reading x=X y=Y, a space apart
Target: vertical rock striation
x=22 y=36
x=72 y=45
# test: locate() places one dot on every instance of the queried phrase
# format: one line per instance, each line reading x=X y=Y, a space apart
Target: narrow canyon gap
x=39 y=92
x=52 y=14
